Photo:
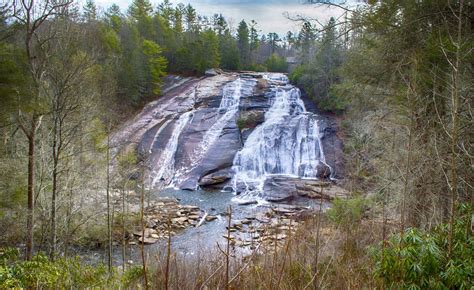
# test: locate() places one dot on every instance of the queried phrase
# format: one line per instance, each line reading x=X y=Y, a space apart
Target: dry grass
x=344 y=262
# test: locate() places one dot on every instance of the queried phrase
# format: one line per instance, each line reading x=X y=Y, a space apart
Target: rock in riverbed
x=166 y=216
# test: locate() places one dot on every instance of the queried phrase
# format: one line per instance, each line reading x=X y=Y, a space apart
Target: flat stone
x=247 y=202
x=147 y=241
x=148 y=232
x=210 y=218
x=179 y=220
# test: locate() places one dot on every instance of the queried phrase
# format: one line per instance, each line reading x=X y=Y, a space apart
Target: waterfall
x=228 y=107
x=165 y=164
x=286 y=143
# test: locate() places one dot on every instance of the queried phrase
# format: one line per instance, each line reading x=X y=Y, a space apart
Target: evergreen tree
x=191 y=18
x=243 y=43
x=273 y=40
x=306 y=40
x=89 y=11
x=156 y=64
x=230 y=54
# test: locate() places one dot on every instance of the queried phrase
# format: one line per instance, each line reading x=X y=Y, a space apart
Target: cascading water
x=286 y=143
x=165 y=165
x=228 y=108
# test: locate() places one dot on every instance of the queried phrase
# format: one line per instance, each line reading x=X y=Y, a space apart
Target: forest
x=395 y=77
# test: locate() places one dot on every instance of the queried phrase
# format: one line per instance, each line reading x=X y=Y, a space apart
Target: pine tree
x=243 y=43
x=89 y=11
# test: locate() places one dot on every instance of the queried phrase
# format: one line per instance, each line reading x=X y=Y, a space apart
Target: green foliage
x=275 y=63
x=319 y=72
x=230 y=58
x=248 y=121
x=156 y=64
x=243 y=42
x=347 y=212
x=132 y=275
x=40 y=272
x=419 y=259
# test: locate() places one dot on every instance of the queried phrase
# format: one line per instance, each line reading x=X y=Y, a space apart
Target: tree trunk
x=109 y=222
x=31 y=189
x=52 y=249
x=455 y=130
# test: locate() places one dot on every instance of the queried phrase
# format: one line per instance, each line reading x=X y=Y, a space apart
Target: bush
x=347 y=212
x=63 y=273
x=40 y=272
x=419 y=260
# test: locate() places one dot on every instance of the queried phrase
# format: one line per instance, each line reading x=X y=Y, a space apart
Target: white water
x=164 y=168
x=228 y=108
x=286 y=143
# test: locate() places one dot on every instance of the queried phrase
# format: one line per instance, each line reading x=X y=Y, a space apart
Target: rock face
x=191 y=136
x=283 y=188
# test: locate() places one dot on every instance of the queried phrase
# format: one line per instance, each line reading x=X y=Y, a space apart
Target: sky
x=269 y=14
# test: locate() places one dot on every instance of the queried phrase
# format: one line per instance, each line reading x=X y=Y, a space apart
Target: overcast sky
x=269 y=14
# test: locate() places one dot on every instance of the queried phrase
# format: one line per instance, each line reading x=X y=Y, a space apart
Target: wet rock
x=278 y=190
x=323 y=171
x=247 y=202
x=210 y=218
x=250 y=74
x=218 y=177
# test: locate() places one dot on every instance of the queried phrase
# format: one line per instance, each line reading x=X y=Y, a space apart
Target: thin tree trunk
x=124 y=259
x=455 y=129
x=142 y=220
x=52 y=250
x=31 y=189
x=168 y=254
x=407 y=169
x=227 y=254
x=109 y=222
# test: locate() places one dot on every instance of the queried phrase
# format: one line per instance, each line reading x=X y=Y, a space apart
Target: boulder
x=323 y=171
x=217 y=177
x=277 y=189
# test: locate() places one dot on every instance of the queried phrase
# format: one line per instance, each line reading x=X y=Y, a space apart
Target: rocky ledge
x=283 y=188
x=268 y=228
x=166 y=217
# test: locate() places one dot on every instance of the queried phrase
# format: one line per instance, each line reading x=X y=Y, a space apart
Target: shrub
x=419 y=259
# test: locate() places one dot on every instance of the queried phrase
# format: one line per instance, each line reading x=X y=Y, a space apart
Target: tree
x=306 y=40
x=66 y=74
x=32 y=16
x=89 y=11
x=156 y=64
x=243 y=43
x=191 y=18
x=230 y=58
x=273 y=39
x=275 y=63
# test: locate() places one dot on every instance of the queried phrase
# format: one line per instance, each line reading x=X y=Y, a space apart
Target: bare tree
x=32 y=15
